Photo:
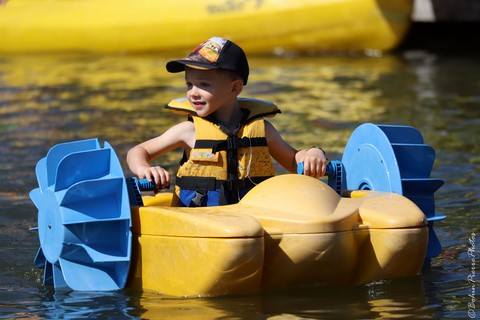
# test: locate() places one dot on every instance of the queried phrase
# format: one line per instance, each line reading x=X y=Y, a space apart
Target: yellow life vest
x=224 y=165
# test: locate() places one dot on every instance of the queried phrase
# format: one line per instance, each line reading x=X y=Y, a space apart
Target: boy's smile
x=198 y=105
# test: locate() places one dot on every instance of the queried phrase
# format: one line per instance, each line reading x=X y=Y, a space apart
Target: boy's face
x=210 y=90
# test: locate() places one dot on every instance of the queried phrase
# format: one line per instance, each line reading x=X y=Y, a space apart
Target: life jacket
x=224 y=165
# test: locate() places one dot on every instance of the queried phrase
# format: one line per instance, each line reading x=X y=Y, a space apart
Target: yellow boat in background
x=259 y=26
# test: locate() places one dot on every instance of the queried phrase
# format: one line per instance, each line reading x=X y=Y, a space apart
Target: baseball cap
x=215 y=53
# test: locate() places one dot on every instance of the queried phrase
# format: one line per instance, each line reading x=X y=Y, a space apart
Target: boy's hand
x=160 y=176
x=314 y=162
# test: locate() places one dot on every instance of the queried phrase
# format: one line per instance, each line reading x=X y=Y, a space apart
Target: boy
x=227 y=143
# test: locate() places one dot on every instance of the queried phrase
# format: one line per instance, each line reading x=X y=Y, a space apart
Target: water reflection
x=45 y=100
x=384 y=299
x=84 y=305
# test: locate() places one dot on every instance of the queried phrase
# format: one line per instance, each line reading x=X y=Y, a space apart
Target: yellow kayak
x=151 y=25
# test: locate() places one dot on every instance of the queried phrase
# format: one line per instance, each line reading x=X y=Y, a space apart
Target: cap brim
x=179 y=65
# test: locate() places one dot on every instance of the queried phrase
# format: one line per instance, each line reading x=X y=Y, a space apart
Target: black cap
x=215 y=53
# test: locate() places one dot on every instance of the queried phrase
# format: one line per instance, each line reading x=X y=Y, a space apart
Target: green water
x=45 y=100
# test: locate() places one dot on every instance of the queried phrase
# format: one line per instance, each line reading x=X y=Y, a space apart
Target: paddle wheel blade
x=48 y=274
x=58 y=277
x=39 y=260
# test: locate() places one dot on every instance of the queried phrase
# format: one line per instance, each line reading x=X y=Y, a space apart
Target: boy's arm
x=315 y=162
x=181 y=135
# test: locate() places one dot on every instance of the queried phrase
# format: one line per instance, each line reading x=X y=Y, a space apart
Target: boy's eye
x=199 y=85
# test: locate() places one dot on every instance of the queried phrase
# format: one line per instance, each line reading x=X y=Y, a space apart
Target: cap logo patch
x=209 y=50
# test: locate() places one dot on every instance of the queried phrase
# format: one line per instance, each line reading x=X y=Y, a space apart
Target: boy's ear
x=237 y=87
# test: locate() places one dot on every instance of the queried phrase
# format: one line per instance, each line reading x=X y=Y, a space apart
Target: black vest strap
x=234 y=142
x=210 y=184
x=199 y=183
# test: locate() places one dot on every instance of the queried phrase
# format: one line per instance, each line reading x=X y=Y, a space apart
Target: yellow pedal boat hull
x=301 y=234
x=150 y=25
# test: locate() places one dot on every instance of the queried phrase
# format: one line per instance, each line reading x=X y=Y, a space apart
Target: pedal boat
x=99 y=232
x=289 y=231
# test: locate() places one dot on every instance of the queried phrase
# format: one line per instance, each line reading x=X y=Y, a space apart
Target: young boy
x=227 y=143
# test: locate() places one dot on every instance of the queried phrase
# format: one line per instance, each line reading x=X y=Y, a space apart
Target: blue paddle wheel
x=83 y=217
x=394 y=159
x=389 y=158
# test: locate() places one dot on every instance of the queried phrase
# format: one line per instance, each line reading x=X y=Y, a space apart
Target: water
x=45 y=100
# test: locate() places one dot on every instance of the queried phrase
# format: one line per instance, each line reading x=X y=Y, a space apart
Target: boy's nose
x=193 y=91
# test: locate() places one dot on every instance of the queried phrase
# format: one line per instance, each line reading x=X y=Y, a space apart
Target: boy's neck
x=229 y=117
